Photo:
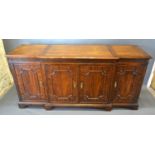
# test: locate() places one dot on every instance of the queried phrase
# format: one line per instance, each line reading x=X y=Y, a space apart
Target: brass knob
x=115 y=84
x=81 y=85
x=74 y=84
x=41 y=83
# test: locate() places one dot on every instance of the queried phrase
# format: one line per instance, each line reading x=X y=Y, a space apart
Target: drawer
x=133 y=62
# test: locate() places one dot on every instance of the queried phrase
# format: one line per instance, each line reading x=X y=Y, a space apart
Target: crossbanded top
x=79 y=51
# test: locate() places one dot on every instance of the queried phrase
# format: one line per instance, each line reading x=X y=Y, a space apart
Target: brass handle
x=115 y=84
x=41 y=83
x=81 y=85
x=74 y=84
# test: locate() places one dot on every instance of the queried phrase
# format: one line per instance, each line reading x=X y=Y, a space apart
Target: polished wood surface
x=79 y=51
x=98 y=76
x=129 y=51
x=94 y=83
x=63 y=51
x=129 y=78
x=31 y=81
x=61 y=83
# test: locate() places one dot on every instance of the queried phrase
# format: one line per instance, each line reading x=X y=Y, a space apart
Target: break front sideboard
x=99 y=76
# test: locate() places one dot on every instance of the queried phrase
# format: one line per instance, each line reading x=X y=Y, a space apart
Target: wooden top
x=78 y=52
x=129 y=51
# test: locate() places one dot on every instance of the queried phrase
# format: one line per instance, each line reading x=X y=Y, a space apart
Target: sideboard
x=96 y=76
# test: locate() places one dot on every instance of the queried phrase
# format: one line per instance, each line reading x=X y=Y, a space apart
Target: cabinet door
x=95 y=83
x=129 y=78
x=30 y=82
x=62 y=83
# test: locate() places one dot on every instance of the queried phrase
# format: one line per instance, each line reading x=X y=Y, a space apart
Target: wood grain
x=79 y=51
x=98 y=76
x=129 y=51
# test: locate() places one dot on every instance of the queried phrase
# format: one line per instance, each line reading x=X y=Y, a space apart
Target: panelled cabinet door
x=129 y=78
x=61 y=83
x=95 y=83
x=30 y=82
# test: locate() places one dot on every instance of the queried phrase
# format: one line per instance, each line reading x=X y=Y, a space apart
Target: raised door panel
x=30 y=81
x=129 y=78
x=95 y=83
x=62 y=83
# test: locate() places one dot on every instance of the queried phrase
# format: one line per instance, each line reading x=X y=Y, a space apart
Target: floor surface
x=8 y=106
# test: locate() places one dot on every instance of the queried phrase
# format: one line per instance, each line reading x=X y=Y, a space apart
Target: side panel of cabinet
x=30 y=81
x=61 y=83
x=129 y=79
x=95 y=83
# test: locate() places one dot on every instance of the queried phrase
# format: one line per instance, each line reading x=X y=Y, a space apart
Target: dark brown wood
x=97 y=76
x=61 y=83
x=30 y=82
x=22 y=106
x=128 y=81
x=95 y=83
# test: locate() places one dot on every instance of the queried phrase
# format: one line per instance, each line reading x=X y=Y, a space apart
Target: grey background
x=146 y=44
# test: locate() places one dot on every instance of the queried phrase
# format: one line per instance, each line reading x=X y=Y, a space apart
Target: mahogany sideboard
x=99 y=76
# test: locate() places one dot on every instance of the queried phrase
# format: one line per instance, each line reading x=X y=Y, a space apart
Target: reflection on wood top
x=129 y=51
x=78 y=51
